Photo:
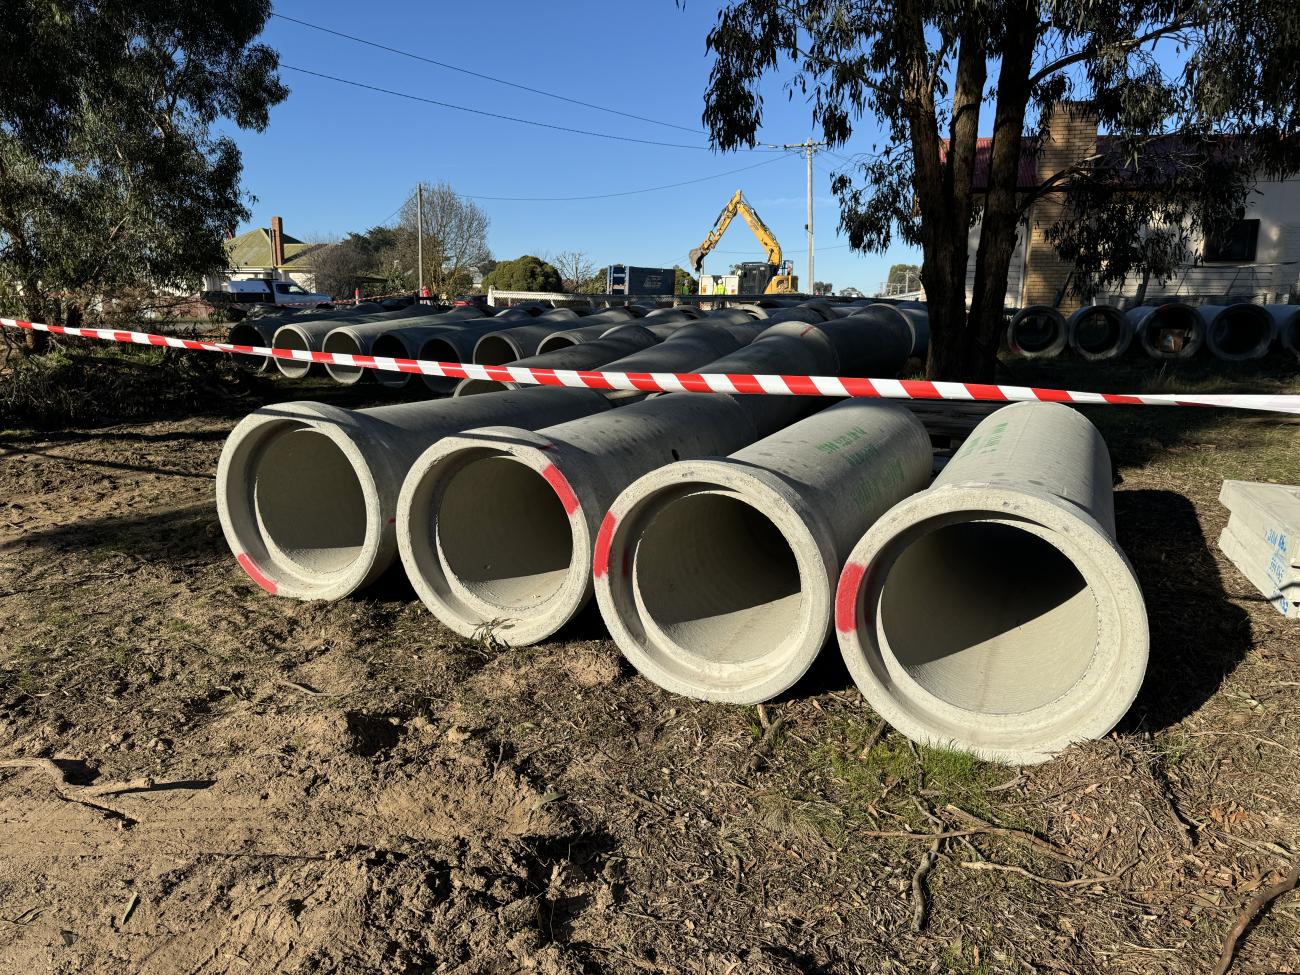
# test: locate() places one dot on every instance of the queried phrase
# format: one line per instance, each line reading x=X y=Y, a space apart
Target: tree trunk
x=1001 y=216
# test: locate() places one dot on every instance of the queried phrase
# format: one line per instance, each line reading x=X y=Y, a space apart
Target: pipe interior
x=391 y=347
x=557 y=341
x=1098 y=332
x=1037 y=331
x=309 y=501
x=292 y=368
x=473 y=387
x=345 y=343
x=989 y=617
x=502 y=532
x=1171 y=328
x=718 y=578
x=492 y=350
x=242 y=334
x=1239 y=332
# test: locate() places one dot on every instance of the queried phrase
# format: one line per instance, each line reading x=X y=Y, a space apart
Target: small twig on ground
x=920 y=897
x=764 y=746
x=1251 y=911
x=877 y=733
x=1009 y=784
x=1020 y=836
x=1064 y=884
x=67 y=791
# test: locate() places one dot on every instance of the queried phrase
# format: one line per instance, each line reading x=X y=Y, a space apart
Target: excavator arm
x=737 y=205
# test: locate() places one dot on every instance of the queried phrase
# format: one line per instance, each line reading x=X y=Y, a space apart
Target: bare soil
x=196 y=777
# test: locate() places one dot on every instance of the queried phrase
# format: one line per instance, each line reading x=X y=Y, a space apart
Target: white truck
x=244 y=296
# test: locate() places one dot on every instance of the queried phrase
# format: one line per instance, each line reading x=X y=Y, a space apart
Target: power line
x=606 y=196
x=485 y=77
x=495 y=115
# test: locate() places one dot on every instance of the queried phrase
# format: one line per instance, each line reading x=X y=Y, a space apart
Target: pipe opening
x=1172 y=330
x=344 y=343
x=243 y=334
x=320 y=524
x=391 y=347
x=1240 y=332
x=502 y=533
x=472 y=387
x=1099 y=332
x=292 y=339
x=718 y=579
x=492 y=350
x=988 y=617
x=1037 y=332
x=557 y=341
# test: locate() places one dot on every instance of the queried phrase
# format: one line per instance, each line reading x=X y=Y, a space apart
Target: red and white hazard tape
x=691 y=382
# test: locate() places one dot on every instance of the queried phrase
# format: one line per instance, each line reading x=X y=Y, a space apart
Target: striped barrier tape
x=666 y=382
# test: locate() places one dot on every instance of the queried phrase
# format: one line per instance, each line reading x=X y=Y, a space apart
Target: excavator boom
x=737 y=205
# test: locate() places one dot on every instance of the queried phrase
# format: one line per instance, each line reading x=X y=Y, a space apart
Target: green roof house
x=268 y=253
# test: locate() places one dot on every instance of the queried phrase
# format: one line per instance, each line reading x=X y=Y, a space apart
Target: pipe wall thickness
x=716 y=577
x=1099 y=332
x=1238 y=333
x=1037 y=332
x=307 y=493
x=995 y=613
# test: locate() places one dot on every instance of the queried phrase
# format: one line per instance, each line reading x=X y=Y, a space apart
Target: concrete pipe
x=1169 y=331
x=497 y=527
x=1037 y=332
x=588 y=355
x=915 y=320
x=593 y=327
x=520 y=341
x=258 y=332
x=421 y=342
x=1238 y=333
x=679 y=311
x=306 y=333
x=735 y=316
x=716 y=577
x=307 y=493
x=1098 y=332
x=995 y=613
x=1287 y=324
x=359 y=339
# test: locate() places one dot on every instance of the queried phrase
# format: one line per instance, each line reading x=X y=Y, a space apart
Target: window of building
x=1236 y=244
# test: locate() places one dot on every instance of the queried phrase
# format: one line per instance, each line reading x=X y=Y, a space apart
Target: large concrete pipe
x=418 y=342
x=457 y=345
x=1036 y=332
x=1239 y=332
x=359 y=339
x=1287 y=323
x=716 y=577
x=1169 y=331
x=995 y=613
x=258 y=332
x=307 y=493
x=684 y=350
x=592 y=327
x=915 y=320
x=587 y=355
x=307 y=334
x=732 y=315
x=498 y=526
x=689 y=311
x=1098 y=332
x=519 y=341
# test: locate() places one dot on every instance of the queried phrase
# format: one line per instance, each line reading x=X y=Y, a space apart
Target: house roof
x=253 y=249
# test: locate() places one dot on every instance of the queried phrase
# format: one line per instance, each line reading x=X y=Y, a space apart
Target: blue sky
x=337 y=158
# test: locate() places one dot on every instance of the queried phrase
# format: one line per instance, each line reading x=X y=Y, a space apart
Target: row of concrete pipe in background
x=726 y=540
x=1172 y=330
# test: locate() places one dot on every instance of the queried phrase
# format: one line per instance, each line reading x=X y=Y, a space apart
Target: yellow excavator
x=776 y=277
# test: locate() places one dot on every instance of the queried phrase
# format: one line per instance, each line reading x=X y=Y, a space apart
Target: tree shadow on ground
x=1198 y=636
x=172 y=536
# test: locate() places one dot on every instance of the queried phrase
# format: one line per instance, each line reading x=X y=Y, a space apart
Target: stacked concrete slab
x=1262 y=539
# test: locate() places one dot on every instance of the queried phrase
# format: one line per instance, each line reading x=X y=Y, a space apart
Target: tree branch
x=1089 y=51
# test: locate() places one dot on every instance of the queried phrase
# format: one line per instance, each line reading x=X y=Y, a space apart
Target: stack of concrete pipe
x=726 y=538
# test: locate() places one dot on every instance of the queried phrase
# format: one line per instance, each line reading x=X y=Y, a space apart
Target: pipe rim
x=653 y=654
x=243 y=333
x=292 y=337
x=457 y=605
x=487 y=344
x=341 y=340
x=1113 y=316
x=435 y=349
x=1049 y=350
x=1250 y=315
x=1088 y=709
x=257 y=553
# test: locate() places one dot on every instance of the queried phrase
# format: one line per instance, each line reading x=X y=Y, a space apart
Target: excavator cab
x=754 y=277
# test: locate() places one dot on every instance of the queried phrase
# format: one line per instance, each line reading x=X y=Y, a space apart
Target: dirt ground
x=196 y=777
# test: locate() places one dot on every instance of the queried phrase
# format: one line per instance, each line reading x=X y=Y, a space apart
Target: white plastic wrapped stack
x=1263 y=539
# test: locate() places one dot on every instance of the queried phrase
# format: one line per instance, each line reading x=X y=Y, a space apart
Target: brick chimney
x=1071 y=137
x=277 y=242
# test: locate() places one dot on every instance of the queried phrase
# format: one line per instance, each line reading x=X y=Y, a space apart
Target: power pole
x=419 y=234
x=808 y=147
